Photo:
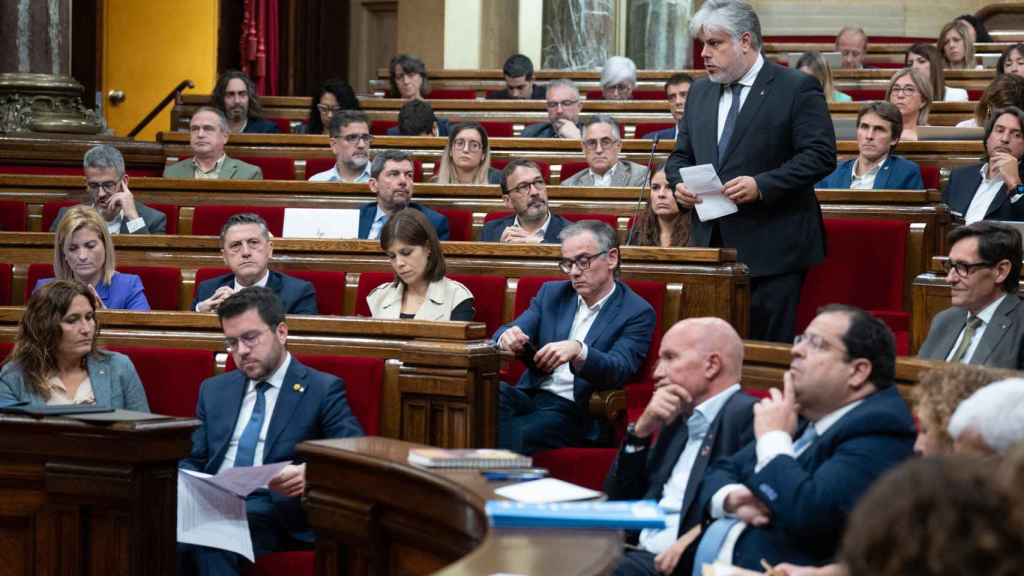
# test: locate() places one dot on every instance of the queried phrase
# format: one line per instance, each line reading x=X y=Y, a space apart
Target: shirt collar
x=336 y=174
x=706 y=412
x=826 y=422
x=751 y=75
x=989 y=311
x=581 y=303
x=984 y=174
x=608 y=174
x=216 y=166
x=542 y=231
x=873 y=172
x=262 y=282
x=276 y=379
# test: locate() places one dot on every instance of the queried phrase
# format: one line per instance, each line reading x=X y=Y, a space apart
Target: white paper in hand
x=210 y=516
x=703 y=181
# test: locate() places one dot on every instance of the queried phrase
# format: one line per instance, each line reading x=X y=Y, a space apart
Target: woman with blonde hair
x=814 y=64
x=912 y=95
x=83 y=251
x=956 y=46
x=467 y=157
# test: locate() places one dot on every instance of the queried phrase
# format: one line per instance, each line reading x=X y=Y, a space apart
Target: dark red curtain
x=259 y=44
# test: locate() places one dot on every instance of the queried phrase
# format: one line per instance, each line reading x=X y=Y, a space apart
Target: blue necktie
x=810 y=435
x=730 y=121
x=251 y=434
x=711 y=543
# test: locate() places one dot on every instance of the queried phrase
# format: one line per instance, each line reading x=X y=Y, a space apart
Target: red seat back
x=609 y=219
x=930 y=176
x=13 y=216
x=488 y=297
x=274 y=168
x=452 y=94
x=460 y=223
x=330 y=289
x=498 y=129
x=582 y=466
x=162 y=284
x=571 y=168
x=381 y=127
x=6 y=276
x=545 y=168
x=283 y=124
x=637 y=95
x=865 y=94
x=204 y=274
x=318 y=165
x=51 y=209
x=364 y=380
x=642 y=130
x=173 y=392
x=208 y=220
x=367 y=282
x=5 y=351
x=36 y=272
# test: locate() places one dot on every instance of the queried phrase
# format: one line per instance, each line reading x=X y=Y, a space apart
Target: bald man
x=701 y=415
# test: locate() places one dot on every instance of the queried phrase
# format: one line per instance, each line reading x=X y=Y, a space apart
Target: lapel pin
x=298 y=388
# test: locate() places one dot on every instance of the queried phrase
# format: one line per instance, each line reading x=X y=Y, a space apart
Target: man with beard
x=235 y=95
x=391 y=179
x=524 y=191
x=350 y=142
x=107 y=184
x=993 y=190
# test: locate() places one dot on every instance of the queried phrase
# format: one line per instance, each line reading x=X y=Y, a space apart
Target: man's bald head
x=704 y=355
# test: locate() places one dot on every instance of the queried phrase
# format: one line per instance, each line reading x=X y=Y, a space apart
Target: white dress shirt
x=865 y=181
x=561 y=380
x=605 y=180
x=539 y=232
x=985 y=316
x=262 y=282
x=983 y=196
x=725 y=101
x=276 y=380
x=657 y=541
x=114 y=226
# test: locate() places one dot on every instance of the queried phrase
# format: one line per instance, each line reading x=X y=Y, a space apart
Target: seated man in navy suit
x=589 y=333
x=391 y=179
x=247 y=247
x=879 y=125
x=256 y=415
x=700 y=415
x=677 y=87
x=785 y=501
x=524 y=191
x=993 y=190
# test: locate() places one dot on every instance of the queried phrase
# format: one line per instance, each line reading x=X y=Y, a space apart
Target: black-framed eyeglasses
x=109 y=186
x=354 y=139
x=524 y=187
x=964 y=269
x=582 y=262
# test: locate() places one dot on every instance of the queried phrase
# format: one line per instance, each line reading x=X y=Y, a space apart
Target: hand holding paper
x=703 y=181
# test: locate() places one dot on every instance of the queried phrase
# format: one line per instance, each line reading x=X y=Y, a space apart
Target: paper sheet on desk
x=703 y=181
x=211 y=509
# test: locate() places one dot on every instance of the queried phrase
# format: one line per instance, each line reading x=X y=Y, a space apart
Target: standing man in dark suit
x=767 y=131
x=235 y=95
x=589 y=333
x=247 y=248
x=256 y=415
x=524 y=191
x=985 y=325
x=391 y=179
x=700 y=416
x=993 y=190
x=780 y=500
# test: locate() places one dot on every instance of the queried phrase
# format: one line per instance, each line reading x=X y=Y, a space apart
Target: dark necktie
x=730 y=121
x=251 y=434
x=965 y=343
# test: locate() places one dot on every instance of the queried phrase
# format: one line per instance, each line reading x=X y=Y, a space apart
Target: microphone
x=646 y=183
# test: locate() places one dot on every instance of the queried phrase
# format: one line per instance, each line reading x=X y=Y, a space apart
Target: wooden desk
x=89 y=499
x=394 y=518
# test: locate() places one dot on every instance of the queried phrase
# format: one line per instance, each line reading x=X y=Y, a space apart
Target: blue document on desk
x=615 y=515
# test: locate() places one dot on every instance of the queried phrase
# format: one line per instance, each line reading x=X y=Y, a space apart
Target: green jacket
x=232 y=169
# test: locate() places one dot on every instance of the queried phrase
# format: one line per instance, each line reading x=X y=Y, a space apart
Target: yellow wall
x=150 y=46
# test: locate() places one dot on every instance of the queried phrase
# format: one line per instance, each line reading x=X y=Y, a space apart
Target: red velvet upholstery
x=51 y=209
x=637 y=95
x=864 y=267
x=364 y=380
x=584 y=466
x=381 y=127
x=13 y=216
x=209 y=219
x=5 y=351
x=171 y=392
x=204 y=274
x=460 y=223
x=865 y=94
x=642 y=130
x=330 y=289
x=545 y=168
x=609 y=219
x=498 y=129
x=274 y=168
x=294 y=563
x=36 y=272
x=283 y=124
x=570 y=168
x=367 y=282
x=930 y=175
x=162 y=284
x=974 y=95
x=171 y=211
x=6 y=275
x=43 y=170
x=317 y=165
x=452 y=94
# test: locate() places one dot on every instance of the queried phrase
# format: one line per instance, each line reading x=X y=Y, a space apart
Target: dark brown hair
x=935 y=71
x=647 y=227
x=411 y=227
x=255 y=109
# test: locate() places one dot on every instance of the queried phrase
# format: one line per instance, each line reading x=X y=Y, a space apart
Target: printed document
x=704 y=182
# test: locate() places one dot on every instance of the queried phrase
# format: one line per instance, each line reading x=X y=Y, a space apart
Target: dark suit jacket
x=492 y=230
x=1001 y=346
x=811 y=497
x=540 y=130
x=297 y=296
x=784 y=139
x=964 y=182
x=368 y=211
x=156 y=221
x=664 y=134
x=316 y=409
x=896 y=173
x=539 y=93
x=260 y=126
x=442 y=128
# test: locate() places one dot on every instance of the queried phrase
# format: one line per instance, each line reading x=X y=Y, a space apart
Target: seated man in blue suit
x=993 y=190
x=247 y=247
x=589 y=333
x=786 y=501
x=256 y=415
x=391 y=179
x=677 y=87
x=879 y=125
x=524 y=191
x=700 y=415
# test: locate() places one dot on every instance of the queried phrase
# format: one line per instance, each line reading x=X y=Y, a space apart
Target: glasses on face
x=908 y=90
x=582 y=262
x=250 y=339
x=524 y=187
x=554 y=104
x=471 y=145
x=621 y=88
x=606 y=142
x=963 y=269
x=816 y=341
x=325 y=108
x=109 y=186
x=254 y=244
x=356 y=138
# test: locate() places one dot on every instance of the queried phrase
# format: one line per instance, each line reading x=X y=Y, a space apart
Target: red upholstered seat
x=381 y=127
x=609 y=219
x=367 y=282
x=36 y=272
x=974 y=95
x=283 y=124
x=13 y=216
x=364 y=380
x=294 y=563
x=642 y=130
x=6 y=275
x=584 y=466
x=460 y=223
x=452 y=94
x=930 y=175
x=330 y=289
x=5 y=351
x=51 y=209
x=171 y=392
x=488 y=294
x=317 y=165
x=545 y=168
x=498 y=129
x=162 y=284
x=274 y=168
x=571 y=168
x=209 y=219
x=865 y=94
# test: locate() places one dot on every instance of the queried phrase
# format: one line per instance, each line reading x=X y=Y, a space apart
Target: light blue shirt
x=333 y=175
x=379 y=219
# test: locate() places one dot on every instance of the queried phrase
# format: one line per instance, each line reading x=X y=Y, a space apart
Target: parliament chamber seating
x=329 y=285
x=13 y=216
x=51 y=209
x=609 y=219
x=498 y=129
x=317 y=165
x=544 y=167
x=6 y=278
x=642 y=130
x=208 y=220
x=451 y=94
x=161 y=283
x=569 y=169
x=173 y=392
x=460 y=223
x=637 y=95
x=379 y=127
x=273 y=168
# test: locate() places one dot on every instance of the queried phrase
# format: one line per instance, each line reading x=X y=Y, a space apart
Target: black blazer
x=964 y=182
x=785 y=140
x=492 y=230
x=260 y=126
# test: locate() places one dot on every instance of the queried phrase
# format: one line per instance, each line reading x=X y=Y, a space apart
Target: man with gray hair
x=107 y=185
x=391 y=179
x=209 y=133
x=991 y=421
x=601 y=146
x=767 y=132
x=618 y=78
x=564 y=105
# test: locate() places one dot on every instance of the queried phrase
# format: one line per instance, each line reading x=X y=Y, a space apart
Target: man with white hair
x=991 y=421
x=618 y=78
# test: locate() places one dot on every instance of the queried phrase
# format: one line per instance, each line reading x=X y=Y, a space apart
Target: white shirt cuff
x=772 y=444
x=136 y=224
x=718 y=500
x=581 y=359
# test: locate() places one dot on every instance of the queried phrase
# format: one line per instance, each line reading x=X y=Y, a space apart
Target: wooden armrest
x=609 y=405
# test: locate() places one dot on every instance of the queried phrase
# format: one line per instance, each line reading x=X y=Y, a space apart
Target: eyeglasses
x=254 y=244
x=908 y=90
x=109 y=186
x=524 y=187
x=964 y=269
x=325 y=108
x=621 y=88
x=250 y=339
x=816 y=341
x=471 y=145
x=552 y=105
x=582 y=262
x=606 y=142
x=356 y=138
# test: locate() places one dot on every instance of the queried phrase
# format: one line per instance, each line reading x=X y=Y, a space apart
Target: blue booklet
x=614 y=515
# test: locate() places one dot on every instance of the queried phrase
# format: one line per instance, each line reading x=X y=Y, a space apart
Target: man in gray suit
x=209 y=130
x=986 y=323
x=601 y=147
x=107 y=184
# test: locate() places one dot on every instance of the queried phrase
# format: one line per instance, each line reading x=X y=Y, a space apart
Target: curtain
x=259 y=44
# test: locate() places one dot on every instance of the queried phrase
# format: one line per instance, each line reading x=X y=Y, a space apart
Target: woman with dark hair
x=926 y=59
x=956 y=45
x=407 y=77
x=55 y=359
x=1011 y=61
x=813 y=64
x=420 y=290
x=467 y=157
x=332 y=97
x=662 y=223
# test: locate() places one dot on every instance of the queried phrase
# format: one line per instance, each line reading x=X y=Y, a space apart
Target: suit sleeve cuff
x=772 y=444
x=135 y=225
x=718 y=500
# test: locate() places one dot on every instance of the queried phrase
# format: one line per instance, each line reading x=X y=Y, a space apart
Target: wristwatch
x=635 y=443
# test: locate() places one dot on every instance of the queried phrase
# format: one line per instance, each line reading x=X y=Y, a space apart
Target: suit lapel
x=228 y=170
x=1002 y=320
x=1001 y=198
x=882 y=179
x=604 y=315
x=366 y=220
x=566 y=315
x=964 y=196
x=99 y=378
x=288 y=399
x=621 y=175
x=677 y=434
x=229 y=398
x=707 y=447
x=706 y=129
x=751 y=106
